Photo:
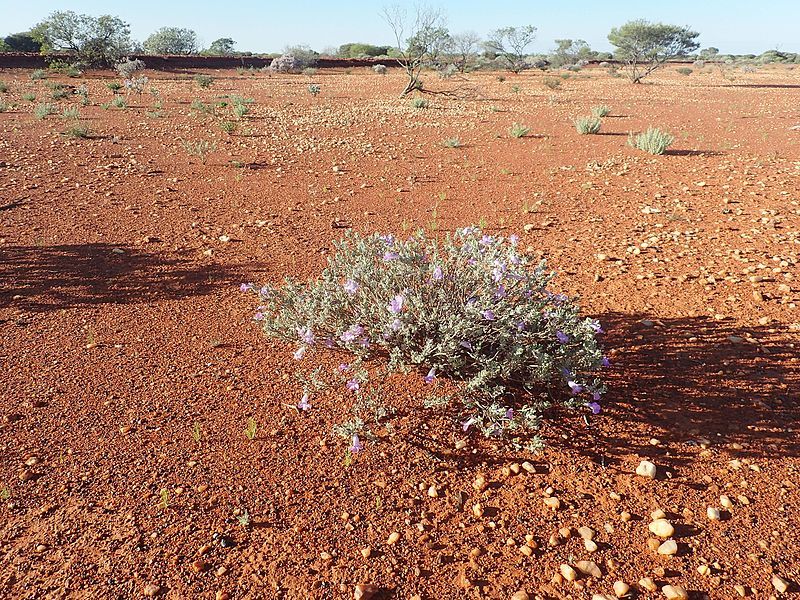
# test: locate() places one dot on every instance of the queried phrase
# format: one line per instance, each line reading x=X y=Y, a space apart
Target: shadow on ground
x=51 y=278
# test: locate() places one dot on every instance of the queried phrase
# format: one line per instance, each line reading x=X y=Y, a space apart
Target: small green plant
x=552 y=83
x=114 y=86
x=516 y=89
x=78 y=130
x=587 y=125
x=105 y=105
x=452 y=142
x=3 y=87
x=200 y=148
x=163 y=503
x=42 y=110
x=228 y=127
x=71 y=112
x=5 y=493
x=119 y=102
x=314 y=89
x=4 y=107
x=240 y=110
x=59 y=94
x=601 y=111
x=518 y=131
x=251 y=429
x=653 y=141
x=196 y=433
x=29 y=97
x=199 y=106
x=204 y=81
x=39 y=74
x=684 y=71
x=244 y=518
x=419 y=103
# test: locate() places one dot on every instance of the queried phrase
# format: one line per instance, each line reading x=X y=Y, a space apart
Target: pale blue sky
x=733 y=26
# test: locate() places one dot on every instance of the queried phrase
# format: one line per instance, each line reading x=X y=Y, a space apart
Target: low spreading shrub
x=119 y=102
x=42 y=110
x=419 y=103
x=29 y=97
x=552 y=83
x=471 y=309
x=114 y=86
x=71 y=112
x=452 y=142
x=286 y=63
x=38 y=74
x=128 y=68
x=601 y=111
x=78 y=130
x=3 y=87
x=684 y=70
x=314 y=89
x=380 y=69
x=519 y=131
x=653 y=141
x=204 y=81
x=587 y=125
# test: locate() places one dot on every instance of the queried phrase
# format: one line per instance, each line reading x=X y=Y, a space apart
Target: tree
x=171 y=40
x=645 y=46
x=427 y=38
x=709 y=53
x=358 y=50
x=570 y=52
x=96 y=41
x=22 y=42
x=463 y=47
x=511 y=43
x=222 y=47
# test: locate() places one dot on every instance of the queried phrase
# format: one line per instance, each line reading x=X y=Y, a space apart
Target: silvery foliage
x=128 y=68
x=137 y=84
x=472 y=308
x=380 y=69
x=286 y=63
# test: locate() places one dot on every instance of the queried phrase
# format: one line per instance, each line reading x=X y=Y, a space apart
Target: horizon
x=271 y=29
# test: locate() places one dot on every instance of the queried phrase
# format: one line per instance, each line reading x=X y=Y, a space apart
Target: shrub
x=200 y=148
x=452 y=142
x=78 y=130
x=38 y=74
x=470 y=308
x=3 y=87
x=684 y=70
x=228 y=127
x=42 y=110
x=200 y=106
x=240 y=109
x=314 y=89
x=653 y=141
x=309 y=71
x=552 y=83
x=114 y=86
x=59 y=94
x=699 y=64
x=204 y=81
x=601 y=111
x=286 y=63
x=419 y=103
x=380 y=69
x=3 y=106
x=71 y=112
x=587 y=125
x=128 y=68
x=137 y=84
x=29 y=97
x=519 y=131
x=119 y=102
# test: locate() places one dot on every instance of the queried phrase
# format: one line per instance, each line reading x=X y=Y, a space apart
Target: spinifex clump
x=471 y=308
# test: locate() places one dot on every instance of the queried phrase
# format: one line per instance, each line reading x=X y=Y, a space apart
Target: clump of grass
x=204 y=81
x=3 y=87
x=314 y=89
x=240 y=110
x=228 y=127
x=519 y=131
x=419 y=103
x=684 y=71
x=78 y=130
x=42 y=110
x=38 y=74
x=4 y=107
x=119 y=102
x=601 y=111
x=71 y=112
x=29 y=97
x=200 y=148
x=200 y=106
x=587 y=125
x=251 y=429
x=309 y=71
x=114 y=86
x=653 y=141
x=452 y=142
x=59 y=94
x=552 y=83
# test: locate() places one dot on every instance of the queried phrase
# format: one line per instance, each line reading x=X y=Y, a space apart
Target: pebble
x=568 y=573
x=587 y=533
x=668 y=548
x=780 y=584
x=433 y=492
x=741 y=590
x=199 y=566
x=477 y=510
x=725 y=502
x=526 y=550
x=393 y=537
x=325 y=556
x=590 y=545
x=365 y=591
x=658 y=514
x=589 y=567
x=151 y=590
x=528 y=467
x=712 y=514
x=621 y=589
x=480 y=483
x=646 y=469
x=675 y=592
x=365 y=552
x=520 y=595
x=648 y=584
x=625 y=516
x=662 y=528
x=222 y=595
x=552 y=503
x=704 y=570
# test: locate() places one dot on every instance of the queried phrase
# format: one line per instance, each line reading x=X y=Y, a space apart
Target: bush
x=452 y=142
x=119 y=102
x=314 y=89
x=309 y=71
x=78 y=130
x=204 y=81
x=380 y=69
x=471 y=308
x=601 y=111
x=3 y=106
x=684 y=70
x=128 y=68
x=3 y=87
x=29 y=97
x=519 y=131
x=552 y=83
x=587 y=125
x=42 y=110
x=38 y=74
x=114 y=86
x=137 y=84
x=286 y=63
x=419 y=103
x=653 y=141
x=71 y=112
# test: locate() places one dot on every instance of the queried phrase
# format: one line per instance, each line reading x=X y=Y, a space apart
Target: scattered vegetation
x=380 y=69
x=684 y=70
x=43 y=110
x=78 y=130
x=314 y=89
x=419 y=103
x=518 y=131
x=587 y=125
x=601 y=111
x=119 y=102
x=204 y=81
x=552 y=83
x=199 y=148
x=29 y=97
x=452 y=142
x=71 y=112
x=652 y=141
x=38 y=74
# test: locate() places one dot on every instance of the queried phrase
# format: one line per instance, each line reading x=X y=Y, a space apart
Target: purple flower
x=329 y=343
x=562 y=337
x=500 y=292
x=357 y=445
x=395 y=325
x=605 y=362
x=596 y=396
x=521 y=326
x=396 y=305
x=353 y=385
x=498 y=273
x=352 y=334
x=468 y=423
x=388 y=239
x=431 y=375
x=300 y=352
x=264 y=292
x=350 y=286
x=465 y=344
x=306 y=335
x=510 y=414
x=437 y=273
x=513 y=239
x=488 y=315
x=389 y=256
x=486 y=240
x=343 y=367
x=594 y=406
x=576 y=388
x=259 y=316
x=304 y=403
x=595 y=325
x=245 y=287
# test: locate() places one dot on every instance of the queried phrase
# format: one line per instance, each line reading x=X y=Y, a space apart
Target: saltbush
x=519 y=131
x=128 y=68
x=653 y=141
x=470 y=308
x=601 y=111
x=587 y=125
x=380 y=69
x=286 y=63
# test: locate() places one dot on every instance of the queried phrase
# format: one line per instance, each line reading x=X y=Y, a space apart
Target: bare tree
x=511 y=43
x=421 y=38
x=464 y=46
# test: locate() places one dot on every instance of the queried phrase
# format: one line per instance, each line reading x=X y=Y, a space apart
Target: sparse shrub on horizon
x=128 y=68
x=587 y=125
x=519 y=131
x=309 y=71
x=59 y=94
x=653 y=141
x=552 y=83
x=601 y=111
x=204 y=81
x=470 y=309
x=684 y=70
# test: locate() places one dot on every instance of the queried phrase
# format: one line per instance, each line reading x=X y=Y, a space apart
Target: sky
x=733 y=26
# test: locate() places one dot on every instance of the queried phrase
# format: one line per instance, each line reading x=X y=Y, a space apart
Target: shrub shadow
x=52 y=278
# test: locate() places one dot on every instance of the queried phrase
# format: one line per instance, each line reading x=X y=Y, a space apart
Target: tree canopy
x=22 y=42
x=171 y=40
x=97 y=41
x=645 y=46
x=512 y=43
x=222 y=47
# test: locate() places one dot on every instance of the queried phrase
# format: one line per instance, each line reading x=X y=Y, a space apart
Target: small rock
x=675 y=592
x=725 y=502
x=586 y=533
x=552 y=503
x=658 y=514
x=646 y=469
x=662 y=528
x=477 y=510
x=528 y=467
x=221 y=595
x=625 y=516
x=741 y=590
x=780 y=584
x=433 y=492
x=365 y=591
x=325 y=555
x=151 y=590
x=520 y=595
x=480 y=483
x=590 y=545
x=568 y=573
x=588 y=567
x=366 y=552
x=199 y=566
x=704 y=570
x=668 y=548
x=648 y=584
x=393 y=537
x=712 y=514
x=621 y=589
